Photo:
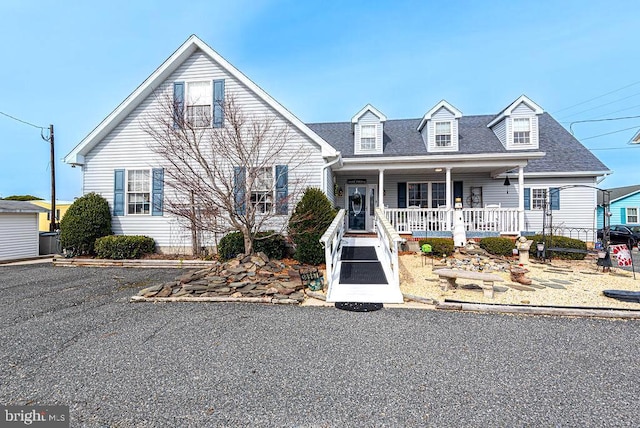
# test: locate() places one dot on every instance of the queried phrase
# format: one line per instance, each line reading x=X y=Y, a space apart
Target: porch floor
x=374 y=286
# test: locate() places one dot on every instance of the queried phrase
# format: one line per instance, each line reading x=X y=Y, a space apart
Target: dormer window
x=368 y=129
x=521 y=130
x=367 y=137
x=443 y=134
x=439 y=128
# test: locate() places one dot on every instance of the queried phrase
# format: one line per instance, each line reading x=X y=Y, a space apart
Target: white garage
x=18 y=230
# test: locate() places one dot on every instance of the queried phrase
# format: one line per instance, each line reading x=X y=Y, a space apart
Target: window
x=443 y=134
x=138 y=191
x=438 y=195
x=367 y=137
x=521 y=131
x=199 y=101
x=538 y=197
x=632 y=215
x=418 y=195
x=262 y=192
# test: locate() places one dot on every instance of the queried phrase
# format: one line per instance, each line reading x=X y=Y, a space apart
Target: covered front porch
x=419 y=198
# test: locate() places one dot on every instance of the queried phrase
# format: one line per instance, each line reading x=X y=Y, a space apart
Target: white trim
x=373 y=110
x=568 y=174
x=507 y=111
x=126 y=191
x=626 y=215
x=76 y=156
x=443 y=103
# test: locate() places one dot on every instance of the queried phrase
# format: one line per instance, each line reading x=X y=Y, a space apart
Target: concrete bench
x=448 y=279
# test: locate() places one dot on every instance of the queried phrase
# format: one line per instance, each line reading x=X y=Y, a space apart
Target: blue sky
x=70 y=63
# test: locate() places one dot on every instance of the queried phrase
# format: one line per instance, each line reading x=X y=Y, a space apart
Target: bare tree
x=234 y=172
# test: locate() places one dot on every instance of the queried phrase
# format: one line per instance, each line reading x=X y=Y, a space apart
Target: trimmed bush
x=560 y=242
x=124 y=247
x=498 y=246
x=270 y=243
x=439 y=246
x=311 y=218
x=86 y=220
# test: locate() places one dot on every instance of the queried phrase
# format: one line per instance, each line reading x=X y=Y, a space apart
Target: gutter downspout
x=324 y=171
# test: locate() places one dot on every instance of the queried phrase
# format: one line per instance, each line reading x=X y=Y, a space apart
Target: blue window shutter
x=623 y=215
x=118 y=192
x=282 y=189
x=239 y=188
x=555 y=198
x=527 y=198
x=218 y=103
x=157 y=190
x=402 y=195
x=178 y=103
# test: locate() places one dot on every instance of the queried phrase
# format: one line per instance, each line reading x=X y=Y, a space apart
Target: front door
x=357 y=208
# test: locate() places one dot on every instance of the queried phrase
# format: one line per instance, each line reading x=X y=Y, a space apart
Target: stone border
x=223 y=299
x=134 y=263
x=538 y=310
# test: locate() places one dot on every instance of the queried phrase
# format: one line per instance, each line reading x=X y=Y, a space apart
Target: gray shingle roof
x=20 y=207
x=619 y=192
x=401 y=138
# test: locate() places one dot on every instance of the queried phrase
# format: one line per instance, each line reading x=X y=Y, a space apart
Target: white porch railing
x=389 y=239
x=407 y=220
x=331 y=240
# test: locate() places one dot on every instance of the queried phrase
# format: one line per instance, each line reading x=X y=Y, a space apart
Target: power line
x=598 y=97
x=22 y=121
x=602 y=105
x=615 y=148
x=600 y=120
x=608 y=133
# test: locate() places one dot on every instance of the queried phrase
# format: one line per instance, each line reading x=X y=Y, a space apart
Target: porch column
x=381 y=188
x=521 y=199
x=448 y=197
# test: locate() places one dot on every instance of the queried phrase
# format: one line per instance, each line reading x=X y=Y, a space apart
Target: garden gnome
x=523 y=246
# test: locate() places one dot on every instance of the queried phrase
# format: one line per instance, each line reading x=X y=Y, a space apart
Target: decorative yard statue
x=523 y=244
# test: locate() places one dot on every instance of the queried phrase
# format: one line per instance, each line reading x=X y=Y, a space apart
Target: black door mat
x=362 y=273
x=358 y=306
x=359 y=253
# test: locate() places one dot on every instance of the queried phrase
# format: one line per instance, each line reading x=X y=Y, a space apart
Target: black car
x=622 y=234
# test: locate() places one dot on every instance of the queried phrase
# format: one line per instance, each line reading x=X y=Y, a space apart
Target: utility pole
x=52 y=223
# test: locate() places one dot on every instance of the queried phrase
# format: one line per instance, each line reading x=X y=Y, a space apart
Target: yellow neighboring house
x=44 y=219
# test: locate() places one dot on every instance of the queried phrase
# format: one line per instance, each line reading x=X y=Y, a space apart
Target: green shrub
x=86 y=220
x=124 y=247
x=310 y=219
x=439 y=246
x=270 y=243
x=498 y=246
x=560 y=242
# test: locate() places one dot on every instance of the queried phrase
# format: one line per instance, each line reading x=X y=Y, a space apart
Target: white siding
x=442 y=115
x=128 y=147
x=577 y=205
x=368 y=118
x=18 y=235
x=500 y=129
x=523 y=110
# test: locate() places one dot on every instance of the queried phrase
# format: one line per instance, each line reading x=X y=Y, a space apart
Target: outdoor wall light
x=507 y=182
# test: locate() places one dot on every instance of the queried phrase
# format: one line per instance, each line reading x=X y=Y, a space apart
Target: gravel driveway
x=70 y=337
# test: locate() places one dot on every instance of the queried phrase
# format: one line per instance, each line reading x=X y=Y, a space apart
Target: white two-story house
x=503 y=169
